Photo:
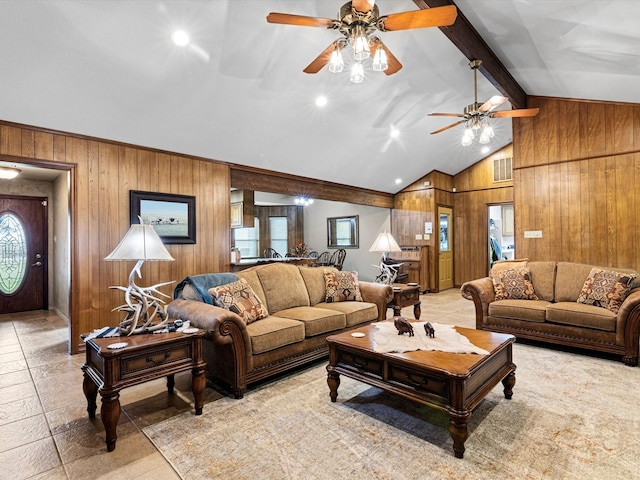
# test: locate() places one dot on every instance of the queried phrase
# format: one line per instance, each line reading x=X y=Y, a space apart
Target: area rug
x=572 y=416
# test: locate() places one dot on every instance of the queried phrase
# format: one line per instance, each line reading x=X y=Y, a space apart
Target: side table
x=145 y=357
x=405 y=295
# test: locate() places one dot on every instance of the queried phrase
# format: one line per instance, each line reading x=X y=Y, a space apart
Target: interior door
x=445 y=258
x=23 y=254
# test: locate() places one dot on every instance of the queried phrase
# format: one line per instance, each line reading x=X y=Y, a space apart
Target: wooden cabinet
x=242 y=208
x=415 y=264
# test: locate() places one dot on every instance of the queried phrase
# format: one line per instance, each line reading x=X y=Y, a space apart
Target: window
x=13 y=253
x=247 y=239
x=342 y=232
x=278 y=233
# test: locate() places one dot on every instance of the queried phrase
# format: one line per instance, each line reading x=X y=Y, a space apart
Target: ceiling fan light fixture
x=357 y=73
x=361 y=50
x=380 y=62
x=336 y=62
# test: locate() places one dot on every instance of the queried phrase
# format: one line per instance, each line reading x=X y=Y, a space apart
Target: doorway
x=23 y=254
x=501 y=234
x=445 y=251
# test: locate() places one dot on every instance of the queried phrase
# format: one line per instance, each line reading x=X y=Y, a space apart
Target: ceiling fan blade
x=321 y=60
x=363 y=6
x=301 y=20
x=430 y=17
x=523 y=112
x=446 y=114
x=448 y=127
x=492 y=103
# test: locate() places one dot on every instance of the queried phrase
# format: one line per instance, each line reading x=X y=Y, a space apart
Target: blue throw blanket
x=202 y=283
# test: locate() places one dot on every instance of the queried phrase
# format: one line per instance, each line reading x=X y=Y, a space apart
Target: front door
x=23 y=254
x=445 y=259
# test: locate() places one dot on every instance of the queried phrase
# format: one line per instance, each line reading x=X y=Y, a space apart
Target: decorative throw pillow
x=508 y=265
x=239 y=298
x=606 y=288
x=341 y=286
x=513 y=284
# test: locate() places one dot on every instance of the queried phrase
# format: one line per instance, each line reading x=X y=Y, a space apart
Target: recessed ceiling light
x=398 y=181
x=180 y=38
x=485 y=149
x=394 y=132
x=321 y=101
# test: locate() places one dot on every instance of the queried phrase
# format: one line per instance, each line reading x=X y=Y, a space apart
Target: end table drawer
x=134 y=364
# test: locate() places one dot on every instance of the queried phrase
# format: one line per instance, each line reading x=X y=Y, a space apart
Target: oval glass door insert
x=13 y=253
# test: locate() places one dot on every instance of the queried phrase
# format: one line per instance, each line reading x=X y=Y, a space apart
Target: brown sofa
x=556 y=316
x=294 y=332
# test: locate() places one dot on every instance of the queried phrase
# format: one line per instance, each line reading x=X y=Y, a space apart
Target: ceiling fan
x=357 y=20
x=476 y=115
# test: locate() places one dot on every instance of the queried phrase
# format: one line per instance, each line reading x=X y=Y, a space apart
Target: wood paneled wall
x=475 y=191
x=103 y=174
x=576 y=177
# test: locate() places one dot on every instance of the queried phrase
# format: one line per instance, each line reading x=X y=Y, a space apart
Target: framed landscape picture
x=172 y=216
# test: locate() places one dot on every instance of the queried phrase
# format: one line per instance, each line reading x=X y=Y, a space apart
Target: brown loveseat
x=557 y=316
x=239 y=352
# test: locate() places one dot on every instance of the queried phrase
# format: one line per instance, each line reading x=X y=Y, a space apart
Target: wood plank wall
x=104 y=173
x=475 y=191
x=576 y=177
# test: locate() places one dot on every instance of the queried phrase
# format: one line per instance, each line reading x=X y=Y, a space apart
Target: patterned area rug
x=571 y=417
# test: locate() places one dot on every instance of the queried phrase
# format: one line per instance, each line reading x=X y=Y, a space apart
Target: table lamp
x=386 y=243
x=141 y=243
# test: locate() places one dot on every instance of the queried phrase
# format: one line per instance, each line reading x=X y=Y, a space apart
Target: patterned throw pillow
x=239 y=298
x=513 y=284
x=341 y=286
x=606 y=288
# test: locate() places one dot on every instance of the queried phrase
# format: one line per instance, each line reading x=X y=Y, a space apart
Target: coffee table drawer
x=360 y=363
x=419 y=382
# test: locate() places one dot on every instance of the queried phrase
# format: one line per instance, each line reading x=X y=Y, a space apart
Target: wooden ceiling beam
x=472 y=45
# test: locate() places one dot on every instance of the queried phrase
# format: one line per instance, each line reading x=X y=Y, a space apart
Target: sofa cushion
x=316 y=320
x=543 y=276
x=508 y=265
x=606 y=289
x=274 y=332
x=570 y=278
x=514 y=284
x=283 y=286
x=580 y=315
x=341 y=286
x=527 y=310
x=314 y=280
x=251 y=276
x=239 y=298
x=355 y=312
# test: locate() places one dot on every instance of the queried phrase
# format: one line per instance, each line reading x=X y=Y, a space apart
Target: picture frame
x=172 y=216
x=343 y=232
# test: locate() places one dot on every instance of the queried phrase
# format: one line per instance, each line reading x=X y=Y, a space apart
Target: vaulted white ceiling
x=237 y=93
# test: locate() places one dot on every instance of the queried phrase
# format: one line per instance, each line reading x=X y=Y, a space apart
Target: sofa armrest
x=378 y=293
x=221 y=326
x=482 y=293
x=628 y=324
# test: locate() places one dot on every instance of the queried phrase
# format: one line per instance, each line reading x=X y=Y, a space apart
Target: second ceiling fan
x=357 y=20
x=476 y=114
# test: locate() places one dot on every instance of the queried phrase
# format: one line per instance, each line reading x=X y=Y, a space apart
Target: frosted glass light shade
x=385 y=243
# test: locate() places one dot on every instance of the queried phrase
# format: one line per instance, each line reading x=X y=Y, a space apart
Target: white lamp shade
x=385 y=243
x=141 y=242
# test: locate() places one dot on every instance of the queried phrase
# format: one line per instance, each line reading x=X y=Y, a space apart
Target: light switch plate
x=533 y=234
x=418 y=236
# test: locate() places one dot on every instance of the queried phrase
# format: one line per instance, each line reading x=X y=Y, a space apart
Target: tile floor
x=44 y=428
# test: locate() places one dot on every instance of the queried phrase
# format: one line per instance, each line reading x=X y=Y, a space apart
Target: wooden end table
x=145 y=357
x=405 y=295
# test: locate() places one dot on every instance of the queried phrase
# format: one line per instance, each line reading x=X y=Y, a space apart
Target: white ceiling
x=238 y=94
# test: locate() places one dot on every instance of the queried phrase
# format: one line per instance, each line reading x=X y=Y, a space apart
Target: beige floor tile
x=14 y=366
x=13 y=393
x=15 y=378
x=23 y=432
x=19 y=409
x=29 y=460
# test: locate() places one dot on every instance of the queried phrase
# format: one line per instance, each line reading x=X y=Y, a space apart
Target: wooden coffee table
x=145 y=357
x=453 y=382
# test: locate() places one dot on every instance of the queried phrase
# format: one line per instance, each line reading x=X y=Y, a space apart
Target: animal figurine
x=428 y=328
x=403 y=326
